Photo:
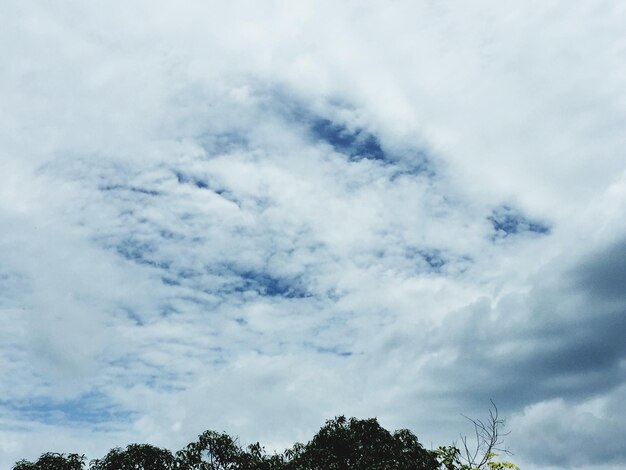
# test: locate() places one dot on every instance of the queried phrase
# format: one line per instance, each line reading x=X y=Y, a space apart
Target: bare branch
x=488 y=439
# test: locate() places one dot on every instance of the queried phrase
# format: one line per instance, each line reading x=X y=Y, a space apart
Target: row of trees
x=341 y=444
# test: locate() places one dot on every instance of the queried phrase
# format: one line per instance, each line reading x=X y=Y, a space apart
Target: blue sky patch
x=357 y=143
x=139 y=253
x=433 y=258
x=335 y=351
x=271 y=286
x=168 y=281
x=133 y=316
x=199 y=183
x=262 y=282
x=133 y=189
x=92 y=408
x=507 y=221
x=202 y=183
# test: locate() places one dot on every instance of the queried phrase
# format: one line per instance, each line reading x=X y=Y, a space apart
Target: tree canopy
x=341 y=444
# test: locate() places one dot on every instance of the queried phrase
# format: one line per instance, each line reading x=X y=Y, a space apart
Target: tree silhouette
x=53 y=461
x=135 y=457
x=352 y=443
x=341 y=444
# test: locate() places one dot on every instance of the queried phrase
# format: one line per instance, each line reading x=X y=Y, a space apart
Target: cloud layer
x=253 y=217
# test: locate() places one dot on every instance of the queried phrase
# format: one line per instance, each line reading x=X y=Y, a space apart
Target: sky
x=252 y=217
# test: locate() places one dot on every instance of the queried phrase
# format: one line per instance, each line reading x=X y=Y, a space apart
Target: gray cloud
x=603 y=274
x=561 y=434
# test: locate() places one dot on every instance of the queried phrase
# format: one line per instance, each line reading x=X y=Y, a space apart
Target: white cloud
x=579 y=436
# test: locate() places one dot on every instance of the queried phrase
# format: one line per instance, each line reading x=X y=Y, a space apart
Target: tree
x=255 y=458
x=343 y=444
x=488 y=436
x=212 y=451
x=135 y=457
x=53 y=461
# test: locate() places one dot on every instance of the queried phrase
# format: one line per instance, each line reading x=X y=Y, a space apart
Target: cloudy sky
x=254 y=216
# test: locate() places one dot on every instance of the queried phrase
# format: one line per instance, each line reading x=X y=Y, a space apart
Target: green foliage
x=135 y=457
x=499 y=465
x=53 y=461
x=341 y=444
x=219 y=451
x=212 y=451
x=449 y=458
x=354 y=443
